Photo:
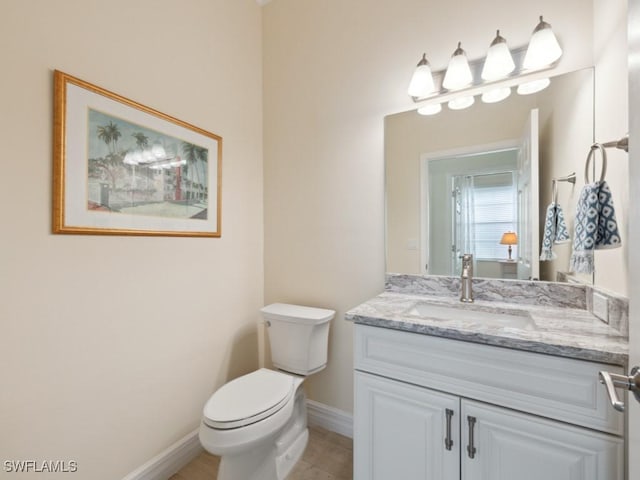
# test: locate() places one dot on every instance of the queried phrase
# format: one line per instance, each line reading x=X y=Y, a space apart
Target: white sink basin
x=510 y=319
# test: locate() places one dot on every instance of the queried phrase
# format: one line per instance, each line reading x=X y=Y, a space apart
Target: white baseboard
x=168 y=462
x=331 y=418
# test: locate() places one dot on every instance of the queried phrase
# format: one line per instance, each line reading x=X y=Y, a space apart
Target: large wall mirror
x=458 y=181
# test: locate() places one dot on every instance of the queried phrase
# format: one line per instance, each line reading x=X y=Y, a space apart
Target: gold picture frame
x=121 y=168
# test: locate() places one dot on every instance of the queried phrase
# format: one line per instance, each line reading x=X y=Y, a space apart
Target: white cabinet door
x=510 y=445
x=400 y=431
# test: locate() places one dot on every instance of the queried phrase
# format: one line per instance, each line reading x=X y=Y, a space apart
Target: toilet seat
x=248 y=399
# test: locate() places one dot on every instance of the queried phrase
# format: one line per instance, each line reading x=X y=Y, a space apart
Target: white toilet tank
x=299 y=337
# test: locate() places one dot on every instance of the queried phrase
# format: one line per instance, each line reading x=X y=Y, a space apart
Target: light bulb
x=458 y=73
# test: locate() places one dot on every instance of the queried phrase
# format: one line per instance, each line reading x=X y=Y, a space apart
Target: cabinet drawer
x=559 y=388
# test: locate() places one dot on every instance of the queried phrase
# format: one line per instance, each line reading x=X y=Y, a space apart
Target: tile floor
x=328 y=456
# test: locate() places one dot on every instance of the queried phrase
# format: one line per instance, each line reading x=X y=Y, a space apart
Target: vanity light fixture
x=422 y=83
x=458 y=72
x=491 y=77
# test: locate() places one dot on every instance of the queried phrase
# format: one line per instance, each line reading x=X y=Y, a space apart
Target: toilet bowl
x=257 y=423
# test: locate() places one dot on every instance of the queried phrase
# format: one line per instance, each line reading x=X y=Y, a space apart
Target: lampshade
x=496 y=95
x=499 y=62
x=430 y=109
x=509 y=238
x=533 y=86
x=461 y=103
x=421 y=83
x=543 y=49
x=458 y=73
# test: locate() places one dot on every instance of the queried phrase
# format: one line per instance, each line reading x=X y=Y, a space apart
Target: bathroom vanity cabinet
x=433 y=408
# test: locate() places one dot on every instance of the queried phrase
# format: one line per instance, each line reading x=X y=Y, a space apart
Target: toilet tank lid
x=286 y=311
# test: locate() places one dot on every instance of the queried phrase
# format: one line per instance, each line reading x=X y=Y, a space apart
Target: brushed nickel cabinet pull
x=471 y=449
x=448 y=443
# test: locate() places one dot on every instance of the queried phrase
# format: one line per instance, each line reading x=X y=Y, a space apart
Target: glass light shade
x=499 y=62
x=458 y=73
x=422 y=84
x=496 y=95
x=533 y=87
x=430 y=109
x=543 y=48
x=509 y=238
x=461 y=103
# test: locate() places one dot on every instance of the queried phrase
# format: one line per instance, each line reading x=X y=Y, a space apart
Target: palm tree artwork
x=135 y=170
x=142 y=141
x=197 y=166
x=110 y=134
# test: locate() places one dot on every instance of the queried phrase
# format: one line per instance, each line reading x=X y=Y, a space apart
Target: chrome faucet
x=466 y=279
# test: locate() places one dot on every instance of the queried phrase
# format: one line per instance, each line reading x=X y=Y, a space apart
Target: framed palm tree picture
x=121 y=168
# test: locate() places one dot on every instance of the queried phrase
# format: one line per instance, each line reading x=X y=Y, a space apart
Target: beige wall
x=566 y=132
x=110 y=346
x=612 y=122
x=332 y=71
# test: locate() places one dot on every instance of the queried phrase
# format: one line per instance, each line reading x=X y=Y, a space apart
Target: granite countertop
x=560 y=331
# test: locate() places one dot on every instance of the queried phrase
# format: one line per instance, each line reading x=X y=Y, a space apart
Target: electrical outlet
x=601 y=307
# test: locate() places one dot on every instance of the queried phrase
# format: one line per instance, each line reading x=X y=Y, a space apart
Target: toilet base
x=274 y=459
x=262 y=463
x=287 y=460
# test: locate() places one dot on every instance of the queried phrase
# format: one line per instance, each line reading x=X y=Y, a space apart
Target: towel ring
x=554 y=198
x=594 y=147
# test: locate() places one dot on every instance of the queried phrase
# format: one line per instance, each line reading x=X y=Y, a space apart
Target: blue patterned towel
x=595 y=227
x=555 y=231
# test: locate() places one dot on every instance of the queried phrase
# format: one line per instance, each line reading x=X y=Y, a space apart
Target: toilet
x=257 y=423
